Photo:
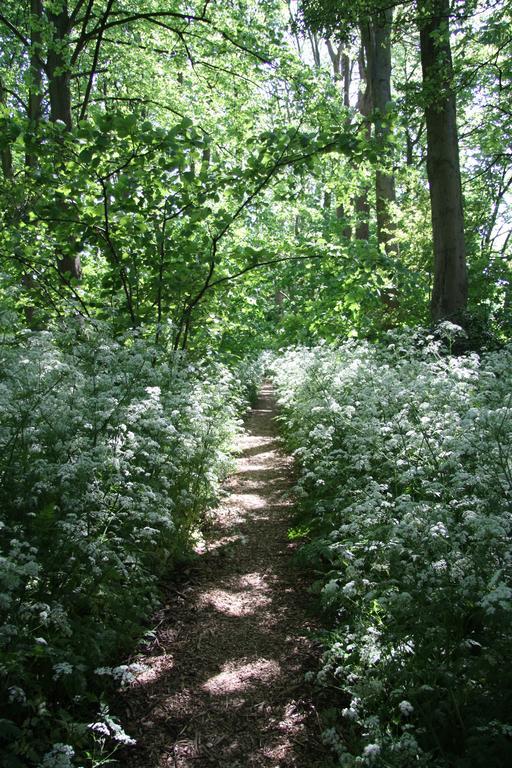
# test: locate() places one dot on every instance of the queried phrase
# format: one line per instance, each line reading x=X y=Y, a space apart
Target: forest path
x=225 y=678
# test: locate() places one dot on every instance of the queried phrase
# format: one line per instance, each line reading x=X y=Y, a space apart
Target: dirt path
x=225 y=681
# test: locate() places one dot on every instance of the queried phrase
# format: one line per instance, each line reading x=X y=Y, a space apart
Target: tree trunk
x=58 y=68
x=346 y=71
x=341 y=68
x=341 y=216
x=6 y=153
x=365 y=108
x=376 y=37
x=35 y=94
x=315 y=48
x=342 y=73
x=59 y=85
x=450 y=289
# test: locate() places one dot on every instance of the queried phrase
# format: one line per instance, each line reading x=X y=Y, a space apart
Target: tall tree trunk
x=335 y=57
x=6 y=153
x=342 y=73
x=346 y=72
x=315 y=48
x=34 y=114
x=365 y=108
x=35 y=94
x=58 y=67
x=341 y=68
x=35 y=97
x=450 y=289
x=376 y=37
x=59 y=86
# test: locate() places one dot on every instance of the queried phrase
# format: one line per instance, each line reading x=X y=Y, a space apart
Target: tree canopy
x=180 y=166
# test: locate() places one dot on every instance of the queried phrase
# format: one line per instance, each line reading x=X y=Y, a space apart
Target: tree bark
x=59 y=86
x=365 y=108
x=450 y=289
x=6 y=153
x=376 y=37
x=346 y=72
x=341 y=68
x=35 y=94
x=58 y=68
x=315 y=48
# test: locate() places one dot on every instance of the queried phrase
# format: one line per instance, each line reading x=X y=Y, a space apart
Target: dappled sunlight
x=249 y=593
x=239 y=676
x=210 y=547
x=249 y=447
x=254 y=581
x=258 y=469
x=154 y=667
x=233 y=603
x=250 y=500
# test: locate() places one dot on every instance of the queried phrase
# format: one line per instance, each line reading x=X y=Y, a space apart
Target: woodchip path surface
x=224 y=684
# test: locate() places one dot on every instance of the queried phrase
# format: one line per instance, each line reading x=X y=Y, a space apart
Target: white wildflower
x=371 y=752
x=406 y=708
x=60 y=756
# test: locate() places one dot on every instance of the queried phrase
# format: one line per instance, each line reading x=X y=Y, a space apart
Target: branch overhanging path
x=224 y=678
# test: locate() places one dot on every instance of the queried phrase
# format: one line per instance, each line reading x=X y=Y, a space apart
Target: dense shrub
x=406 y=487
x=109 y=456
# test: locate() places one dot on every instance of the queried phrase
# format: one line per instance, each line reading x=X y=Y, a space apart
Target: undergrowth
x=110 y=453
x=405 y=492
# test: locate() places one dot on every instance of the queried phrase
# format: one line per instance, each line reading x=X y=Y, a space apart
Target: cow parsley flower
x=62 y=668
x=371 y=752
x=406 y=708
x=60 y=756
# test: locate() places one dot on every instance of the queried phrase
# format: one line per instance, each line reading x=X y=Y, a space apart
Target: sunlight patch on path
x=233 y=603
x=239 y=676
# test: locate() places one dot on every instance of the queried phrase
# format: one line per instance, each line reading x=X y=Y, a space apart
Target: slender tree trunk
x=35 y=94
x=341 y=68
x=315 y=48
x=365 y=108
x=409 y=148
x=36 y=79
x=380 y=76
x=346 y=71
x=59 y=85
x=335 y=57
x=326 y=205
x=6 y=153
x=376 y=38
x=342 y=73
x=34 y=114
x=450 y=289
x=206 y=157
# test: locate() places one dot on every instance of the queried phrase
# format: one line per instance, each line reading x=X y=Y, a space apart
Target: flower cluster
x=406 y=489
x=110 y=453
